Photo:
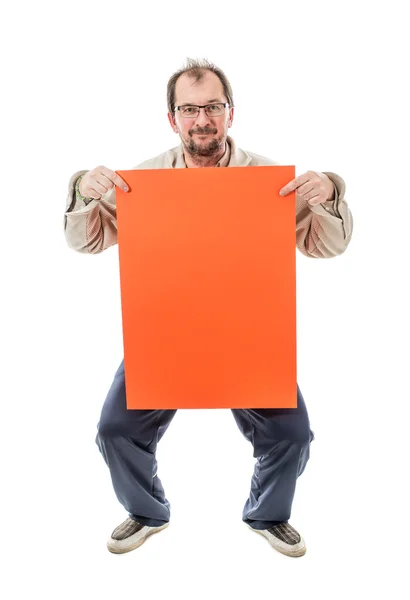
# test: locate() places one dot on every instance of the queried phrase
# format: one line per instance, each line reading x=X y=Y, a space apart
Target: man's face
x=202 y=135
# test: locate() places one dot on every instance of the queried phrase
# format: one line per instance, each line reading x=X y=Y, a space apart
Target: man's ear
x=230 y=120
x=172 y=122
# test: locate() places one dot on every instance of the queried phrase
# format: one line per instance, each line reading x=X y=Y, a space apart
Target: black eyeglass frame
x=178 y=108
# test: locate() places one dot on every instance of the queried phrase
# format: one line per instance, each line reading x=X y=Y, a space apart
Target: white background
x=317 y=84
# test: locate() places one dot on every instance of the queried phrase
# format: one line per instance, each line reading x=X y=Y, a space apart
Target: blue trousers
x=128 y=439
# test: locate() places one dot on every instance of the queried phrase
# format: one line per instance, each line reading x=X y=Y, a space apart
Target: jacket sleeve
x=324 y=230
x=90 y=228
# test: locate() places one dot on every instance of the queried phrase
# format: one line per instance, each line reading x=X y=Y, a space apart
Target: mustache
x=202 y=130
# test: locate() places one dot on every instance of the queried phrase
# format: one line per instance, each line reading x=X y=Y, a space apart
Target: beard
x=209 y=149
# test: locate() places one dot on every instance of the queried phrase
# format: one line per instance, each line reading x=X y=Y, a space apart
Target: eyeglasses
x=211 y=110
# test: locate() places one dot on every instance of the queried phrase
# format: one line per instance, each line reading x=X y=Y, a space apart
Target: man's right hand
x=99 y=181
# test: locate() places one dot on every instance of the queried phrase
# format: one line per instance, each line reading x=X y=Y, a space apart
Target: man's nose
x=202 y=119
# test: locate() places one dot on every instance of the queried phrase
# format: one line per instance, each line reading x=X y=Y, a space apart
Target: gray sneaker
x=130 y=535
x=284 y=538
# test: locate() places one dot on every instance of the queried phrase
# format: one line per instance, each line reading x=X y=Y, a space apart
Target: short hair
x=196 y=69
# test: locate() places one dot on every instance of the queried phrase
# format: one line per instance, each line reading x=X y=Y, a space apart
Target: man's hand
x=313 y=187
x=97 y=182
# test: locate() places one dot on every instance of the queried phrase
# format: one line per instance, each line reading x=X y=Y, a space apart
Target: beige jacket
x=322 y=231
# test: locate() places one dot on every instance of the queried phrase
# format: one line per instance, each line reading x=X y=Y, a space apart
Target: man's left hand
x=313 y=187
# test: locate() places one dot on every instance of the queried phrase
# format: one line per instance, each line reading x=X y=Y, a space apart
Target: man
x=201 y=110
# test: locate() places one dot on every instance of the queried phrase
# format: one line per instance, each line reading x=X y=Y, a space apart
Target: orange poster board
x=208 y=288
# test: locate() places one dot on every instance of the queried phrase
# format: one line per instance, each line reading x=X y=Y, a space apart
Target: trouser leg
x=281 y=440
x=127 y=440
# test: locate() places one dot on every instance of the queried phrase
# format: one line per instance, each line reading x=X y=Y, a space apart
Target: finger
x=315 y=200
x=312 y=194
x=294 y=184
x=115 y=178
x=306 y=188
x=104 y=183
x=100 y=189
x=103 y=180
x=92 y=193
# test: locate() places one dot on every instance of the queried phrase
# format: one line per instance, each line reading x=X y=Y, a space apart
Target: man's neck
x=203 y=161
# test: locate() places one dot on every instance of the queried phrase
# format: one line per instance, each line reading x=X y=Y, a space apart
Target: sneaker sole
x=135 y=545
x=300 y=552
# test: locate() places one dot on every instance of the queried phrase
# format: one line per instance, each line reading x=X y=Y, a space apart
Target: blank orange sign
x=208 y=288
